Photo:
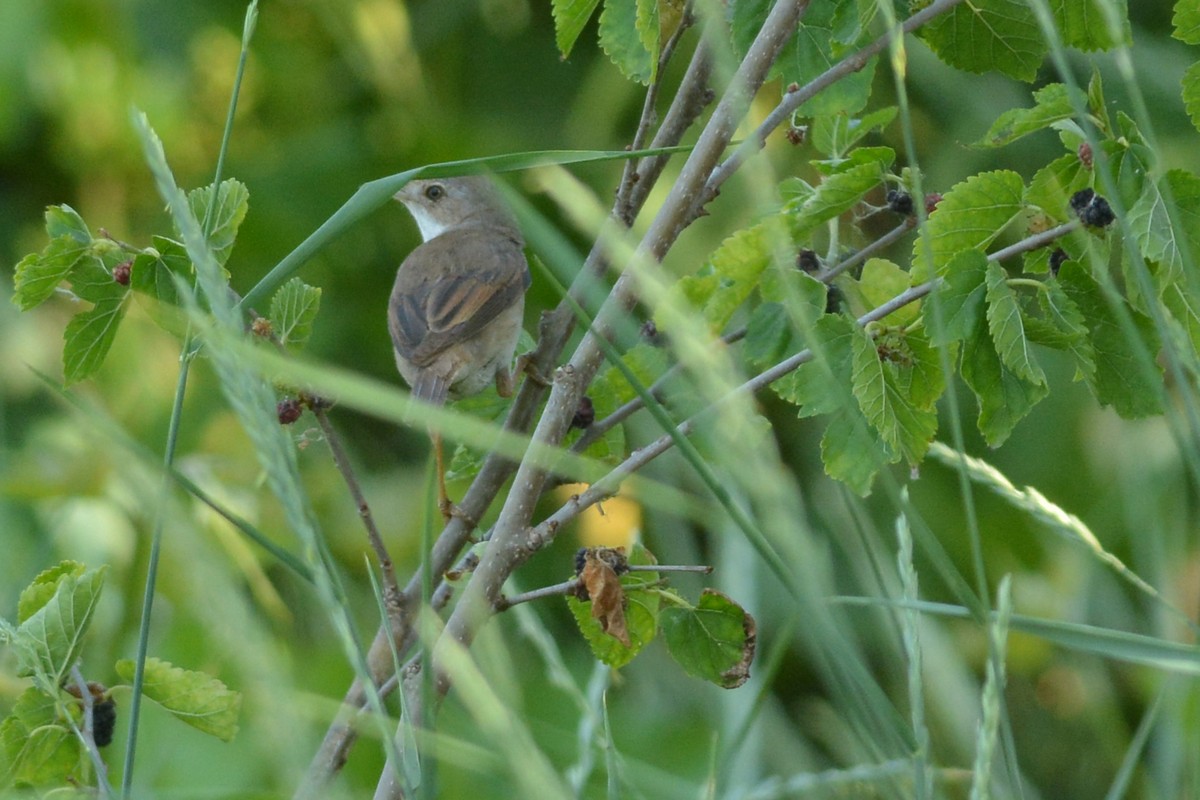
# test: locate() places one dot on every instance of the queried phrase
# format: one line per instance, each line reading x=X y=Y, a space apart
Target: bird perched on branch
x=457 y=306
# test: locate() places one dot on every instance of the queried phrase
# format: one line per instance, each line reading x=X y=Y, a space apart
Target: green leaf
x=64 y=221
x=621 y=40
x=812 y=52
x=39 y=274
x=37 y=747
x=834 y=134
x=1061 y=311
x=225 y=216
x=293 y=311
x=1191 y=93
x=882 y=280
x=1185 y=308
x=648 y=31
x=746 y=18
x=570 y=17
x=1004 y=397
x=43 y=588
x=1084 y=24
x=822 y=386
x=88 y=338
x=1187 y=21
x=196 y=698
x=641 y=615
x=714 y=640
x=49 y=640
x=834 y=196
x=850 y=453
x=1150 y=220
x=1126 y=379
x=768 y=335
x=959 y=299
x=970 y=216
x=1007 y=327
x=904 y=427
x=985 y=35
x=1051 y=104
x=155 y=273
x=1051 y=187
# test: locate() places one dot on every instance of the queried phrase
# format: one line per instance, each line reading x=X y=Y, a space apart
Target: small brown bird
x=459 y=299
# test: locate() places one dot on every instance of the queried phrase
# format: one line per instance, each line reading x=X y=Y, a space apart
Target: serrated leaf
x=49 y=640
x=813 y=51
x=1008 y=328
x=92 y=279
x=713 y=640
x=746 y=18
x=293 y=311
x=620 y=39
x=904 y=427
x=1190 y=84
x=641 y=616
x=960 y=299
x=768 y=335
x=155 y=274
x=196 y=698
x=833 y=135
x=822 y=386
x=849 y=451
x=232 y=200
x=970 y=216
x=649 y=32
x=37 y=748
x=1187 y=21
x=1130 y=382
x=1160 y=240
x=64 y=221
x=570 y=17
x=88 y=338
x=42 y=588
x=985 y=35
x=39 y=274
x=1084 y=24
x=1061 y=311
x=834 y=196
x=1004 y=397
x=1185 y=308
x=881 y=280
x=1051 y=187
x=1051 y=104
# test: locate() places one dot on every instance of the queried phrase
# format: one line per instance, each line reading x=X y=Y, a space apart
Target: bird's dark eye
x=435 y=192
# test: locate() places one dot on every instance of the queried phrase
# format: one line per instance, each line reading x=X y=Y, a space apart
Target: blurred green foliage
x=338 y=93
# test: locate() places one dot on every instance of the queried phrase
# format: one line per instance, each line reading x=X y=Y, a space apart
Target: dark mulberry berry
x=807 y=260
x=289 y=410
x=585 y=415
x=580 y=560
x=1092 y=209
x=122 y=271
x=833 y=300
x=1056 y=260
x=900 y=202
x=104 y=721
x=931 y=201
x=653 y=336
x=795 y=135
x=1085 y=155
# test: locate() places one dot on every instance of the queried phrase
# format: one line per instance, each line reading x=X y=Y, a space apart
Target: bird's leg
x=524 y=365
x=447 y=508
x=444 y=504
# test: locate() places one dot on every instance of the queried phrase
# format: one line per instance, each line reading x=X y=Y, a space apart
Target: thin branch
x=607 y=487
x=393 y=599
x=629 y=174
x=603 y=426
x=794 y=99
x=557 y=590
